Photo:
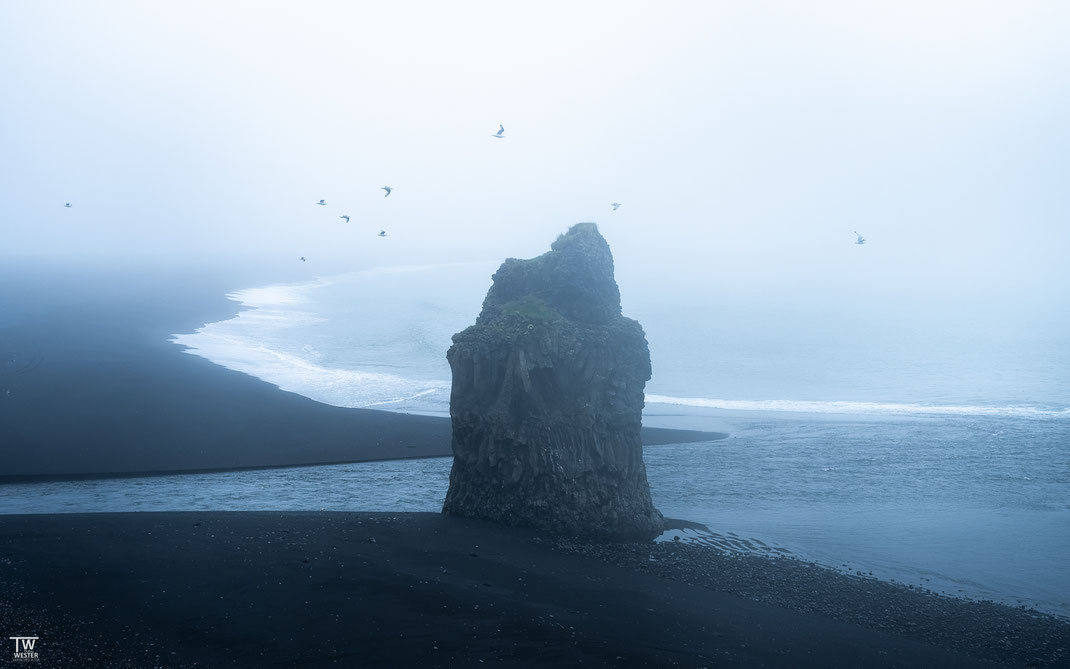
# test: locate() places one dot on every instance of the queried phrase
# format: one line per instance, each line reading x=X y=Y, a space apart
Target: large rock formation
x=547 y=398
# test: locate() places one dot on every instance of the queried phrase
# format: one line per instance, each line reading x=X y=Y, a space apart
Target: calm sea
x=930 y=445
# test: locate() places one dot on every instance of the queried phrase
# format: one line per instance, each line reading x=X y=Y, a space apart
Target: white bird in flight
x=67 y=205
x=387 y=189
x=501 y=132
x=302 y=259
x=615 y=205
x=345 y=216
x=322 y=203
x=861 y=239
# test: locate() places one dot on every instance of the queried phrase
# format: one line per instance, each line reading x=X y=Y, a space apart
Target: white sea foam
x=338 y=387
x=278 y=294
x=288 y=294
x=867 y=408
x=270 y=339
x=376 y=338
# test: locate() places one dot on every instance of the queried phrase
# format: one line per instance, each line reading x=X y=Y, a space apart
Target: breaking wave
x=860 y=408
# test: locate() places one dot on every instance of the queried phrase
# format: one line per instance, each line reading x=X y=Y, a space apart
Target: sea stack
x=547 y=398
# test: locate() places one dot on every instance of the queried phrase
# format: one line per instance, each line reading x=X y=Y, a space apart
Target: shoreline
x=652 y=437
x=109 y=381
x=422 y=588
x=115 y=397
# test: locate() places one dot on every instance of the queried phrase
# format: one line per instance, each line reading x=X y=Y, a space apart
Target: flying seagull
x=615 y=205
x=861 y=239
x=302 y=259
x=345 y=216
x=382 y=233
x=68 y=205
x=322 y=203
x=501 y=132
x=387 y=189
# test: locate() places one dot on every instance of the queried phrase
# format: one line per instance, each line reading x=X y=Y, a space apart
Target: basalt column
x=547 y=398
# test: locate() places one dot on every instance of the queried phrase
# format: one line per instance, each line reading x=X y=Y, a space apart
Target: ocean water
x=926 y=444
x=884 y=497
x=377 y=338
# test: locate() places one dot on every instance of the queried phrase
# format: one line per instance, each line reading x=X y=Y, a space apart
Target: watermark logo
x=24 y=649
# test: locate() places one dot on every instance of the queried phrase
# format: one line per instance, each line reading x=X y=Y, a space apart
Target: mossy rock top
x=573 y=280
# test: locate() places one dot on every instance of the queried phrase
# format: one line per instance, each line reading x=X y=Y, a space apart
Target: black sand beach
x=114 y=396
x=358 y=589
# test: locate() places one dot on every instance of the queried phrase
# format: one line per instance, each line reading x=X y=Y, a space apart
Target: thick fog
x=745 y=141
x=898 y=408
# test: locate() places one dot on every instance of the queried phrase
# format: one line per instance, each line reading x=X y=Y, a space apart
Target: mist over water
x=378 y=337
x=933 y=450
x=901 y=407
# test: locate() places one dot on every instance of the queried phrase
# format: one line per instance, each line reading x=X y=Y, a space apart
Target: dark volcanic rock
x=547 y=398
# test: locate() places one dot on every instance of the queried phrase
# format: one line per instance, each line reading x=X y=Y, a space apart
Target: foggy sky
x=745 y=140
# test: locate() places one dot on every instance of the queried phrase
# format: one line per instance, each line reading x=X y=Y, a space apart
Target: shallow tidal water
x=929 y=447
x=880 y=495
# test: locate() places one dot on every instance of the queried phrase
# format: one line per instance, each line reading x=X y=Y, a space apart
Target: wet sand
x=338 y=589
x=112 y=395
x=358 y=589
